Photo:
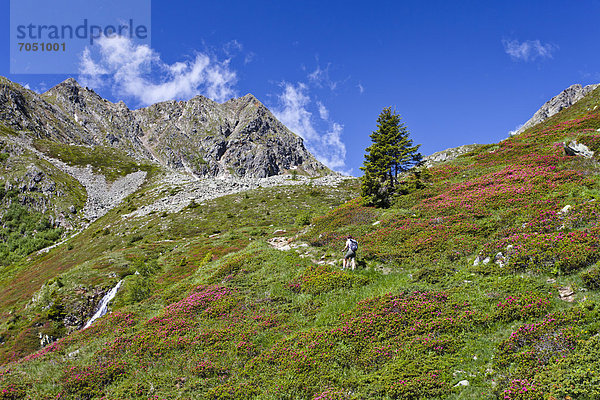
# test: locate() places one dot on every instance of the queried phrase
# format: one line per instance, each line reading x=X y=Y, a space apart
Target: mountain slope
x=239 y=138
x=482 y=285
x=564 y=99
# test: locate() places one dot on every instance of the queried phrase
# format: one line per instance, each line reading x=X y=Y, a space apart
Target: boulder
x=577 y=149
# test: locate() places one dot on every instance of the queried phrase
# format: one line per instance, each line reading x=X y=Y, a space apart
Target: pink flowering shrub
x=521 y=389
x=523 y=306
x=88 y=382
x=378 y=334
x=324 y=278
x=331 y=394
x=12 y=386
x=535 y=346
x=408 y=386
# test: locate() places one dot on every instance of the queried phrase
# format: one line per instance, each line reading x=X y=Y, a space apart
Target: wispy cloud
x=320 y=78
x=294 y=110
x=528 y=50
x=361 y=88
x=323 y=111
x=125 y=66
x=232 y=47
x=249 y=57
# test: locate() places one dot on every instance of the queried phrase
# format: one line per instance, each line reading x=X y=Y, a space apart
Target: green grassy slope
x=458 y=282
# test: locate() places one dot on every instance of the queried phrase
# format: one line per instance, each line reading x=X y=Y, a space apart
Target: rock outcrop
x=564 y=99
x=577 y=149
x=239 y=138
x=448 y=154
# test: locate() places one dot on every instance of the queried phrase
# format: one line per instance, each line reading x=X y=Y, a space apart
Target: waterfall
x=104 y=304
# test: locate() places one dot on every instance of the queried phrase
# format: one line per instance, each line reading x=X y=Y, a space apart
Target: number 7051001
x=43 y=46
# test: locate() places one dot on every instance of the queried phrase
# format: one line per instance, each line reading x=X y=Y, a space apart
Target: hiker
x=351 y=246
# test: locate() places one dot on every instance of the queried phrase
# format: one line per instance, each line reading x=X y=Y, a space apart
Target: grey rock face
x=100 y=121
x=577 y=149
x=564 y=99
x=239 y=138
x=448 y=154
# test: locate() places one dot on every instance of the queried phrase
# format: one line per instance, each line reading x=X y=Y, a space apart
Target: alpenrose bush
x=324 y=278
x=88 y=382
x=377 y=338
x=452 y=220
x=521 y=389
x=551 y=252
x=577 y=376
x=510 y=193
x=12 y=385
x=591 y=278
x=177 y=327
x=413 y=383
x=522 y=306
x=532 y=347
x=587 y=123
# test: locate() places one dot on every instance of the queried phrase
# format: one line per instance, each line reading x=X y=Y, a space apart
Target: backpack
x=353 y=245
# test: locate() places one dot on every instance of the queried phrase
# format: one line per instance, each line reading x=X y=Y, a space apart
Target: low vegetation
x=22 y=231
x=110 y=162
x=482 y=283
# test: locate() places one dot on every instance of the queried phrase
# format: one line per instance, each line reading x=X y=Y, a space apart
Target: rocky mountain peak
x=69 y=82
x=564 y=99
x=239 y=138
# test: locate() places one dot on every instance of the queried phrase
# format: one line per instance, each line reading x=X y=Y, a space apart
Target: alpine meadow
x=213 y=241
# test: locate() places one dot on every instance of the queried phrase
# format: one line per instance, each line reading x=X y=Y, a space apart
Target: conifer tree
x=391 y=153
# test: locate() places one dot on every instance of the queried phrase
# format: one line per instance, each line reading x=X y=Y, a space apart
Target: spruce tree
x=391 y=154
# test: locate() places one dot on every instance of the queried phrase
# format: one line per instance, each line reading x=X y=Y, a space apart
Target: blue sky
x=457 y=72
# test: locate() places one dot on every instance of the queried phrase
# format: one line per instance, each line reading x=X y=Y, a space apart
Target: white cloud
x=38 y=89
x=323 y=111
x=320 y=77
x=514 y=131
x=126 y=68
x=249 y=57
x=361 y=88
x=232 y=47
x=293 y=112
x=528 y=50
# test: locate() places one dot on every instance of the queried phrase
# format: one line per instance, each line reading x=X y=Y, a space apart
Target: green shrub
x=135 y=238
x=304 y=218
x=56 y=312
x=13 y=386
x=576 y=377
x=88 y=382
x=23 y=231
x=325 y=278
x=433 y=274
x=230 y=266
x=138 y=288
x=591 y=278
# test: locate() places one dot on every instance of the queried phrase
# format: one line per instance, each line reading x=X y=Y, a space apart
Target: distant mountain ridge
x=564 y=99
x=239 y=138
